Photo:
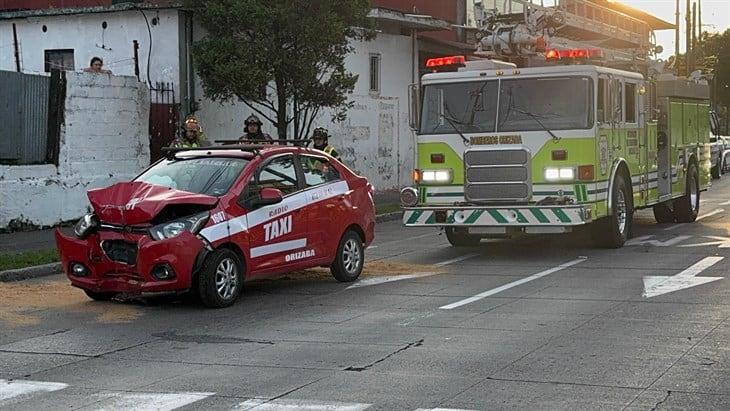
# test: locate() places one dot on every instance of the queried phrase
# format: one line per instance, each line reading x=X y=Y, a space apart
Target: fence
x=28 y=135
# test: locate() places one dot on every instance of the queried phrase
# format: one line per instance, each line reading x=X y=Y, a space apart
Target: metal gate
x=164 y=118
x=24 y=118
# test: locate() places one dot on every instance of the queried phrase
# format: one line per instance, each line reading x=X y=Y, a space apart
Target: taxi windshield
x=209 y=176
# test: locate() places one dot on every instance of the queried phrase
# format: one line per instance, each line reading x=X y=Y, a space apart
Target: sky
x=715 y=18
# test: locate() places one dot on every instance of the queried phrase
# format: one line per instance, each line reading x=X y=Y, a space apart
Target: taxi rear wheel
x=221 y=279
x=350 y=258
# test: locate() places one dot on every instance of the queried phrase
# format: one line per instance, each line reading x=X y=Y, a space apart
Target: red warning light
x=573 y=54
x=446 y=61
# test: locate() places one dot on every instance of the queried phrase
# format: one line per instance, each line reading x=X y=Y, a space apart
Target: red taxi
x=206 y=220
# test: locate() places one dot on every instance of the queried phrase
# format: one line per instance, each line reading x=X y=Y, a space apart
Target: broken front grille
x=120 y=251
x=497 y=175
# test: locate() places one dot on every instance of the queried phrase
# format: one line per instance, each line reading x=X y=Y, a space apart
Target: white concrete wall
x=84 y=34
x=104 y=139
x=375 y=140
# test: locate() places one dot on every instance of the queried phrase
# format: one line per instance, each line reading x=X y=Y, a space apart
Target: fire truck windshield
x=529 y=104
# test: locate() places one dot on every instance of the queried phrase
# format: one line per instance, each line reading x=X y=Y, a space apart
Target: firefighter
x=194 y=136
x=320 y=137
x=252 y=127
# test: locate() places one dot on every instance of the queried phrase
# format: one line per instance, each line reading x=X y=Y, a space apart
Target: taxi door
x=326 y=193
x=278 y=233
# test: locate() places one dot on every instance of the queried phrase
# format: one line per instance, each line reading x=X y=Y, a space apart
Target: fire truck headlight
x=436 y=176
x=559 y=174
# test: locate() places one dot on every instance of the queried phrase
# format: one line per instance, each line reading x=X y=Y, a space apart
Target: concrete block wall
x=104 y=140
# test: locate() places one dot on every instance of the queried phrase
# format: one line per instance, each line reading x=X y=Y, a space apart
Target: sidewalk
x=27 y=241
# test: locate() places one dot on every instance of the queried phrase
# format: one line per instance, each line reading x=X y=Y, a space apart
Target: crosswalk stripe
x=13 y=389
x=441 y=409
x=257 y=404
x=148 y=401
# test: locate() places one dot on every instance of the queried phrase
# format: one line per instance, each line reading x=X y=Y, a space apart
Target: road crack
x=666 y=397
x=410 y=345
x=207 y=339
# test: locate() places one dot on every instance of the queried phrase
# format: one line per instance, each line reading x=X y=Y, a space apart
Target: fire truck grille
x=120 y=251
x=497 y=175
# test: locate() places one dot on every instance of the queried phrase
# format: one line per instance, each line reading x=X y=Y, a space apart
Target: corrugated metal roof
x=87 y=10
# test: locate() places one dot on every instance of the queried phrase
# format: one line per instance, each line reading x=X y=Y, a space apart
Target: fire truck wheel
x=99 y=296
x=614 y=230
x=221 y=279
x=663 y=213
x=461 y=238
x=350 y=258
x=687 y=207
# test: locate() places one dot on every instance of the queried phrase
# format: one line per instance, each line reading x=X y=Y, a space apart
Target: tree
x=283 y=58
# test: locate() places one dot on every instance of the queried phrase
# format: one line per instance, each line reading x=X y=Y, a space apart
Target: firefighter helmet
x=252 y=119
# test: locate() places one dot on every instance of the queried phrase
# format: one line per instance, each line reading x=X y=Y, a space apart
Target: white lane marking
x=372 y=247
x=646 y=240
x=17 y=388
x=721 y=242
x=278 y=247
x=456 y=260
x=299 y=405
x=655 y=285
x=512 y=284
x=382 y=280
x=710 y=214
x=725 y=203
x=147 y=401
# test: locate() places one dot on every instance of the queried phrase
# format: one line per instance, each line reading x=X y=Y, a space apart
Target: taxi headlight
x=436 y=176
x=193 y=224
x=87 y=225
x=560 y=174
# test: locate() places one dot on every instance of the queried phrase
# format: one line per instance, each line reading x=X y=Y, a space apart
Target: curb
x=28 y=273
x=381 y=218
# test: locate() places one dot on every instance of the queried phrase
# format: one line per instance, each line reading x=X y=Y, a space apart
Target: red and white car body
x=222 y=216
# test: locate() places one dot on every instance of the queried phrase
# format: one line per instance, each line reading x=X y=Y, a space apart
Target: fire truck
x=544 y=133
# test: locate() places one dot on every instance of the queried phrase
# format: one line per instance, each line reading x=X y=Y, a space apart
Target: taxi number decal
x=277 y=228
x=218 y=217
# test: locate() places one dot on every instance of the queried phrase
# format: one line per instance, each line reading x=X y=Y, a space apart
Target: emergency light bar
x=459 y=61
x=573 y=54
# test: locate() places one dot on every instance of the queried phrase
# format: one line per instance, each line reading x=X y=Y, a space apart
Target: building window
x=375 y=72
x=59 y=60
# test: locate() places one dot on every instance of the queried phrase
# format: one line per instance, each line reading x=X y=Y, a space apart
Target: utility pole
x=17 y=49
x=676 y=37
x=694 y=27
x=699 y=22
x=688 y=40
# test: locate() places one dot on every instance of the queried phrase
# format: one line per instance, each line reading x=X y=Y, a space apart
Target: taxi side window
x=317 y=171
x=279 y=173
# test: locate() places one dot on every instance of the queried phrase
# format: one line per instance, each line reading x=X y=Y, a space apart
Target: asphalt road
x=537 y=323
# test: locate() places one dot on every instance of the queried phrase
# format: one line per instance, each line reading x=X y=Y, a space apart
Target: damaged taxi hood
x=137 y=202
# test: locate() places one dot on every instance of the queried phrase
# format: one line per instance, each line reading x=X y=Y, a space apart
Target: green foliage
x=282 y=58
x=11 y=261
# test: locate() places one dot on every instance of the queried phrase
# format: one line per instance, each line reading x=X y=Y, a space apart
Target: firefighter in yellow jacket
x=320 y=138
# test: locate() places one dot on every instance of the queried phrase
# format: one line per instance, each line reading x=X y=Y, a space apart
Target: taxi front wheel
x=221 y=279
x=350 y=258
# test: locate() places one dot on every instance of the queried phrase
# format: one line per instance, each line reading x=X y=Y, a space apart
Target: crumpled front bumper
x=497 y=216
x=183 y=254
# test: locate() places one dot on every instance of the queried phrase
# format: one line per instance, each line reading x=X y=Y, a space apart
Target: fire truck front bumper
x=497 y=220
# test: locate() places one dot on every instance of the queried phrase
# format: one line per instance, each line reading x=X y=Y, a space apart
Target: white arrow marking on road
x=381 y=280
x=710 y=214
x=722 y=242
x=12 y=389
x=257 y=404
x=512 y=284
x=655 y=285
x=645 y=240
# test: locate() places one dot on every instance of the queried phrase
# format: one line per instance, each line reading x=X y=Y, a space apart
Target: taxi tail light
x=451 y=61
x=438 y=158
x=586 y=173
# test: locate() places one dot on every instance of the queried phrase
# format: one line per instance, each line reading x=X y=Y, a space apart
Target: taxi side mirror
x=265 y=197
